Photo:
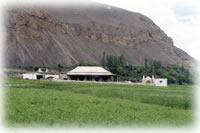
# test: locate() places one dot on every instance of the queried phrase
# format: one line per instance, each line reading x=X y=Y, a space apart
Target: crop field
x=50 y=103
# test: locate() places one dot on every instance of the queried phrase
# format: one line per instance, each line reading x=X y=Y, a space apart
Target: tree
x=130 y=68
x=109 y=60
x=81 y=63
x=182 y=69
x=187 y=77
x=174 y=73
x=60 y=66
x=122 y=61
x=180 y=80
x=146 y=63
x=103 y=60
x=87 y=64
x=157 y=64
x=116 y=61
x=36 y=68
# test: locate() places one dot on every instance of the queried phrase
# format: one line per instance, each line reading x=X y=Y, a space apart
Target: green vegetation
x=87 y=64
x=127 y=72
x=91 y=104
x=174 y=73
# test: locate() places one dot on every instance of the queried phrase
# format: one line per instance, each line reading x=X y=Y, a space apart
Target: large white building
x=91 y=73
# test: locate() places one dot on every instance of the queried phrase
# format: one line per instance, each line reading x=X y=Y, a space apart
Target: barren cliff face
x=44 y=36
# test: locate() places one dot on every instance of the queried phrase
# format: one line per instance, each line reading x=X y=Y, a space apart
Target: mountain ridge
x=43 y=36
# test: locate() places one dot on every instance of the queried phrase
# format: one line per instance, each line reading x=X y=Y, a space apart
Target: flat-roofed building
x=32 y=76
x=154 y=81
x=91 y=73
x=160 y=82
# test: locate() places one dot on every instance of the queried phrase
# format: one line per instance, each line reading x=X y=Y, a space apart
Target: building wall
x=63 y=76
x=160 y=82
x=29 y=76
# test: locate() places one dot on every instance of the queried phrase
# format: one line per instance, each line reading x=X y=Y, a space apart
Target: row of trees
x=174 y=73
x=118 y=65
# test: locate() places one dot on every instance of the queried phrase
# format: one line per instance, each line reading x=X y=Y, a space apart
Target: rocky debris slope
x=44 y=36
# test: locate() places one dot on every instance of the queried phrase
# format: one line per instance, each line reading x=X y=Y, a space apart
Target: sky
x=180 y=19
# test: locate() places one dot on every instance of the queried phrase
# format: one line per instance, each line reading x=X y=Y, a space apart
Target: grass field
x=48 y=103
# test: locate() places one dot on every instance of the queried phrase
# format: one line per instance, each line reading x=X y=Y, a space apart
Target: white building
x=160 y=82
x=40 y=70
x=154 y=81
x=51 y=76
x=33 y=76
x=91 y=73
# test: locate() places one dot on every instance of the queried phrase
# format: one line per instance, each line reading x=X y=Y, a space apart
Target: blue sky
x=184 y=12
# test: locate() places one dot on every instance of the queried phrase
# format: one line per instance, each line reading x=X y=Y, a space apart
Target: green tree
x=130 y=68
x=60 y=66
x=109 y=60
x=36 y=68
x=103 y=60
x=122 y=61
x=157 y=64
x=146 y=63
x=180 y=80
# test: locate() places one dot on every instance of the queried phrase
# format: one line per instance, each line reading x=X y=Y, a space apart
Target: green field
x=48 y=103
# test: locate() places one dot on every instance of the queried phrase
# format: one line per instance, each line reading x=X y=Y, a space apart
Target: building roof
x=89 y=70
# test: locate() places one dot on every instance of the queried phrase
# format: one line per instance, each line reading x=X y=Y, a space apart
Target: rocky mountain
x=66 y=35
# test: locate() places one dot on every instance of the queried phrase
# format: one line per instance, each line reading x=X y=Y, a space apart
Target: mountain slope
x=45 y=36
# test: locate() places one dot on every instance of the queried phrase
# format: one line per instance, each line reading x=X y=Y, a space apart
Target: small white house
x=40 y=70
x=51 y=76
x=160 y=82
x=32 y=76
x=154 y=81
